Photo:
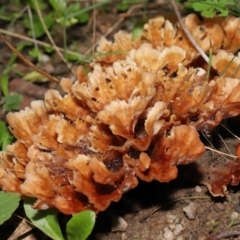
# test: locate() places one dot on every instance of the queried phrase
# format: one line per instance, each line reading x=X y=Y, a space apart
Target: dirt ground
x=182 y=209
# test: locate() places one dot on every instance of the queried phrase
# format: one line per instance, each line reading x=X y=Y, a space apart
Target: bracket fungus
x=134 y=115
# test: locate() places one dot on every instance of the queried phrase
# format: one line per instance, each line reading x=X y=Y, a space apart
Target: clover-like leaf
x=45 y=220
x=12 y=102
x=210 y=8
x=8 y=204
x=80 y=226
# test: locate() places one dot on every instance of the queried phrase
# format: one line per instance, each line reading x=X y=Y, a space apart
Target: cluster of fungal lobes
x=135 y=115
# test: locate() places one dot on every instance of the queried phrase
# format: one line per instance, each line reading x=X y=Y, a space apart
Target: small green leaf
x=8 y=204
x=210 y=8
x=45 y=220
x=42 y=4
x=35 y=76
x=58 y=5
x=12 y=102
x=6 y=137
x=81 y=17
x=35 y=53
x=122 y=6
x=80 y=226
x=4 y=84
x=37 y=26
x=2 y=131
x=137 y=31
x=49 y=49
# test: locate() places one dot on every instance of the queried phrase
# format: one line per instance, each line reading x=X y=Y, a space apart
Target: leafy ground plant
x=211 y=8
x=79 y=227
x=8 y=204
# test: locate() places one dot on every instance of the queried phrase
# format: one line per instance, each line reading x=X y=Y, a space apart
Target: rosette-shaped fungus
x=132 y=116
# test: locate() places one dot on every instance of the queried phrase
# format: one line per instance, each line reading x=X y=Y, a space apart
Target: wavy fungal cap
x=134 y=115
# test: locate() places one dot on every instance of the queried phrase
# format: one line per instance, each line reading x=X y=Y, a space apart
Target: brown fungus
x=134 y=115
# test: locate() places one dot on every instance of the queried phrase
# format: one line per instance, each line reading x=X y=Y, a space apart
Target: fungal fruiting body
x=134 y=115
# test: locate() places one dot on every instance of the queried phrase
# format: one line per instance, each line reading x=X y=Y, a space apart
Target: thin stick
x=192 y=40
x=230 y=131
x=94 y=26
x=16 y=35
x=48 y=34
x=18 y=15
x=223 y=235
x=22 y=229
x=121 y=19
x=211 y=144
x=219 y=135
x=25 y=60
x=32 y=26
x=222 y=153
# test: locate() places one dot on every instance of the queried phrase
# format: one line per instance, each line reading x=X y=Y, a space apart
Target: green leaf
x=81 y=16
x=4 y=84
x=49 y=49
x=84 y=10
x=6 y=137
x=2 y=131
x=80 y=226
x=58 y=5
x=122 y=6
x=8 y=204
x=42 y=4
x=45 y=220
x=12 y=102
x=210 y=8
x=35 y=53
x=137 y=31
x=35 y=76
x=37 y=25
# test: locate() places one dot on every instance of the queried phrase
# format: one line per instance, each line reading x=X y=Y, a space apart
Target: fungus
x=134 y=115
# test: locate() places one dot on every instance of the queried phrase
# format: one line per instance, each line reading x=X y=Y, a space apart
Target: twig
x=94 y=26
x=230 y=131
x=25 y=60
x=222 y=235
x=219 y=135
x=18 y=15
x=16 y=35
x=32 y=26
x=192 y=40
x=48 y=34
x=222 y=153
x=211 y=145
x=121 y=19
x=23 y=228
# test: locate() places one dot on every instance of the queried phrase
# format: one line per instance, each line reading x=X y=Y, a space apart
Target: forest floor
x=182 y=209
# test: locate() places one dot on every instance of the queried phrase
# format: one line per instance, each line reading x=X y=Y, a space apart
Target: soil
x=182 y=209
